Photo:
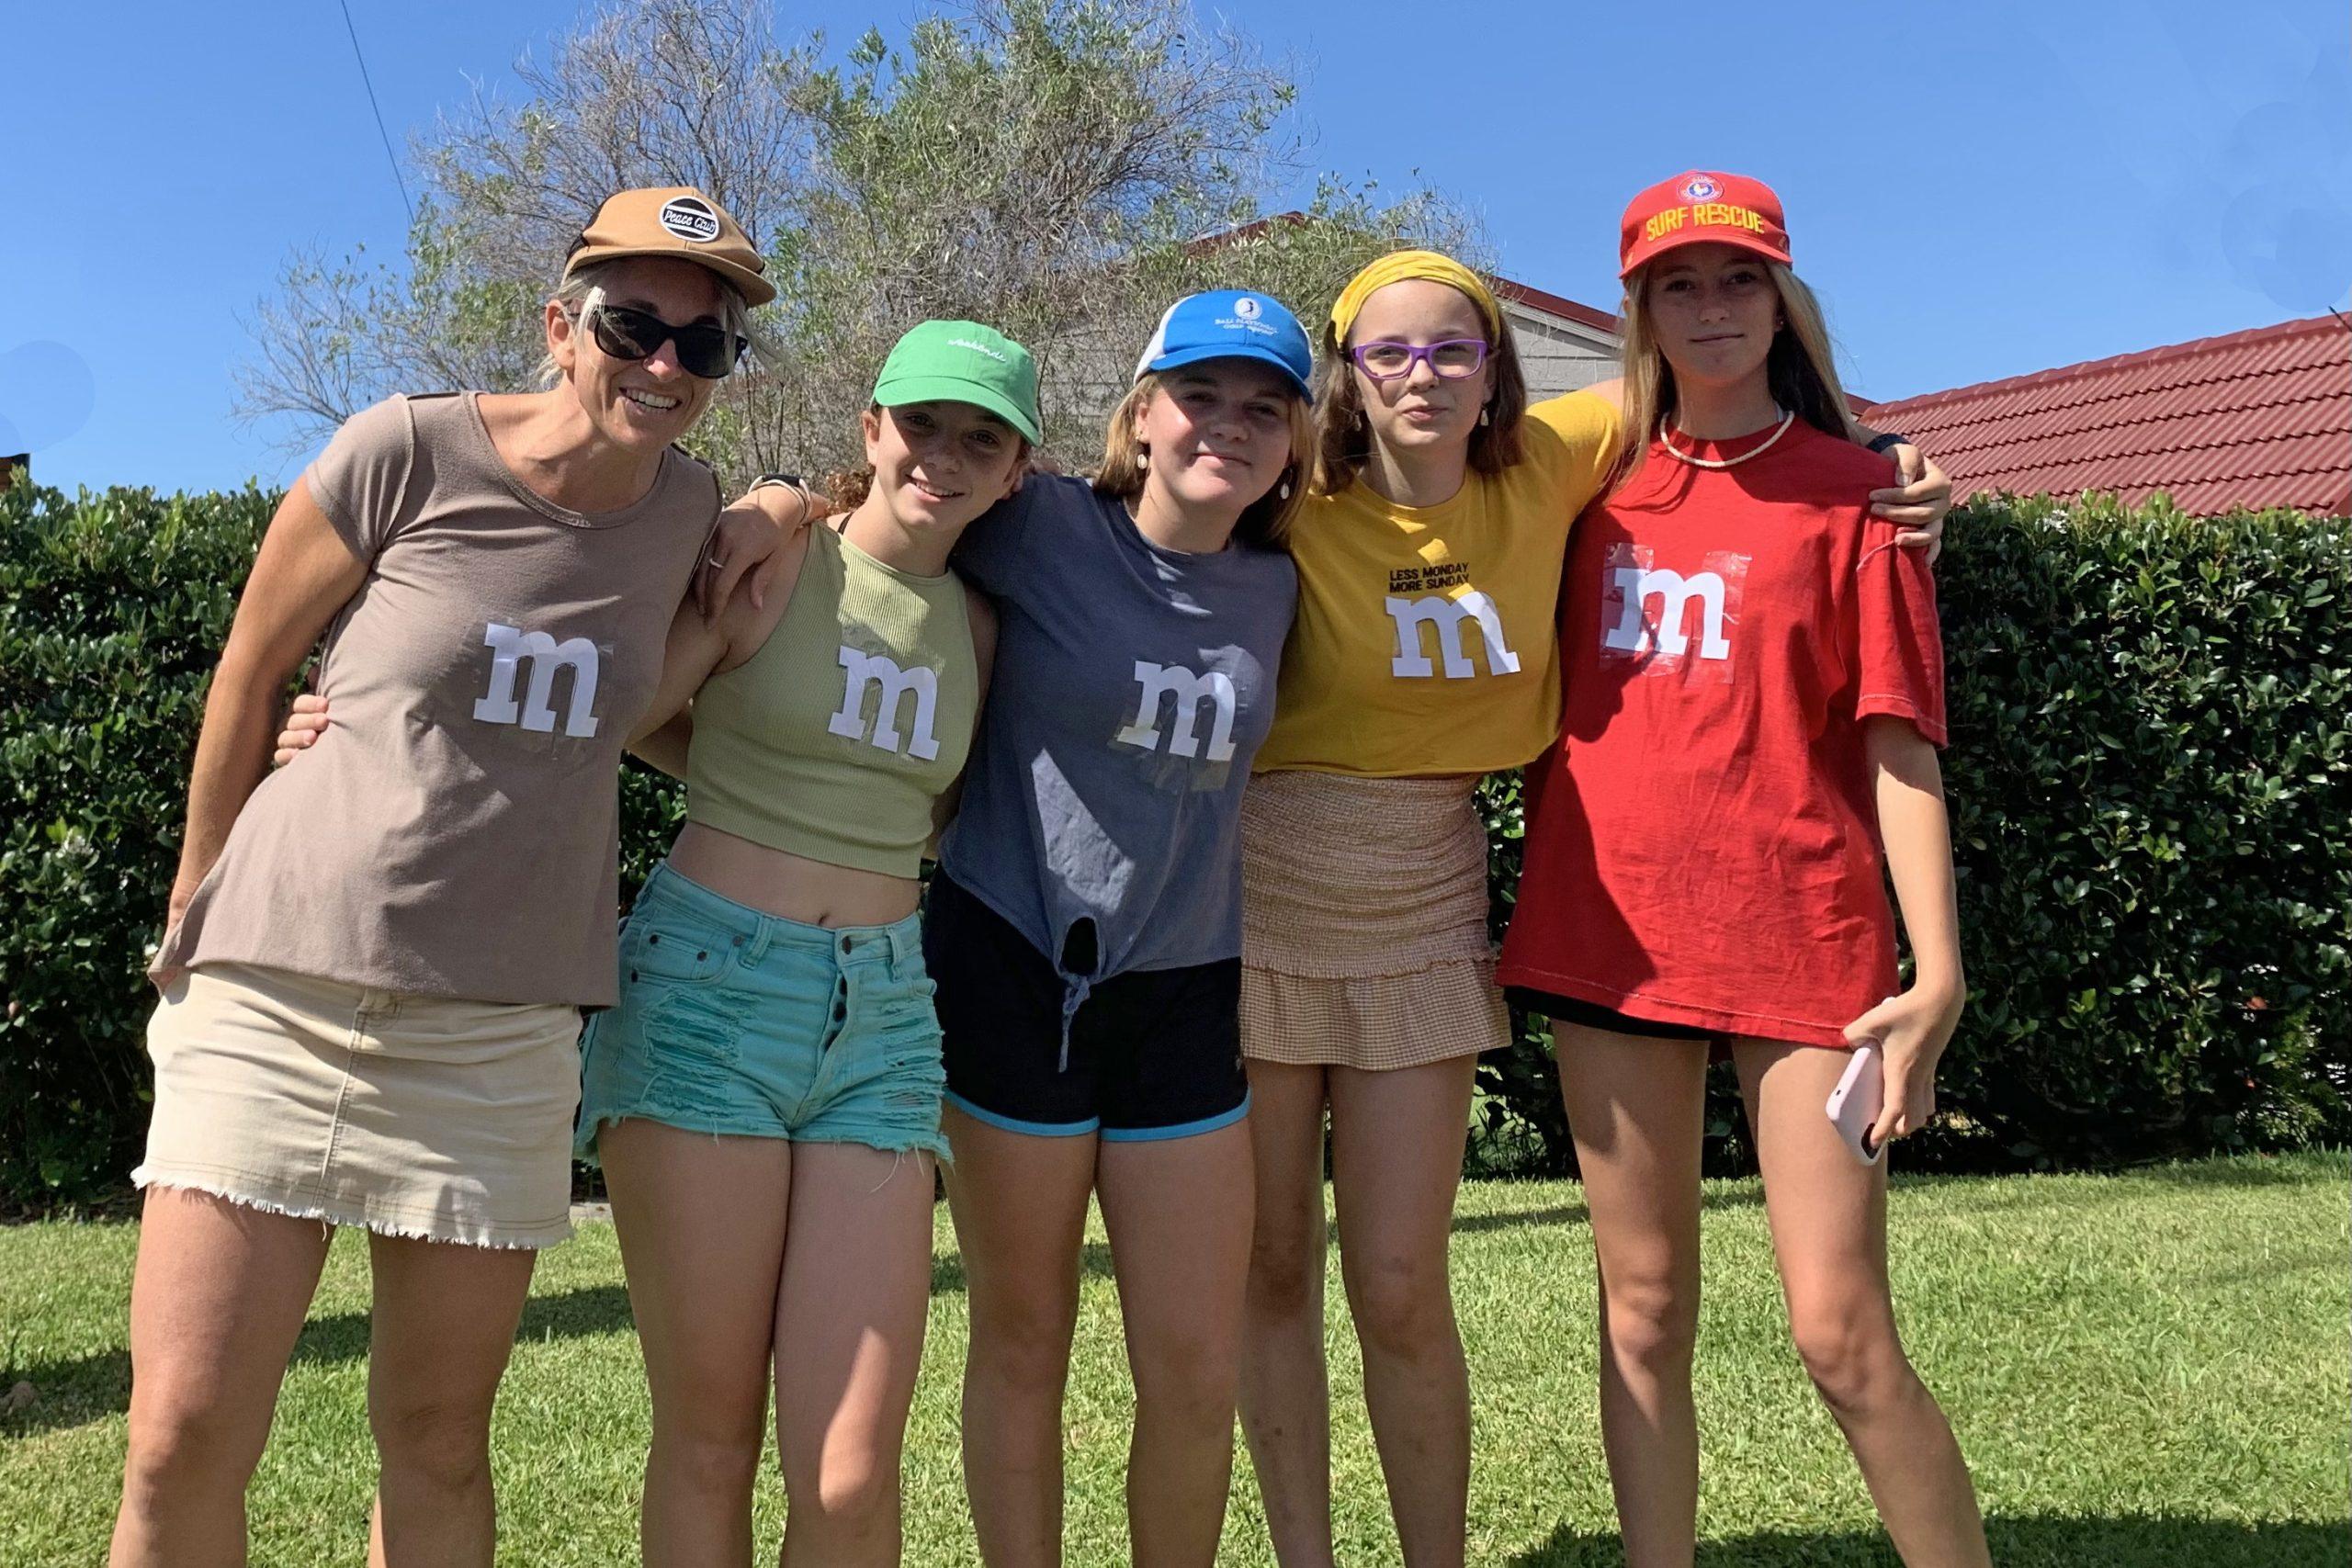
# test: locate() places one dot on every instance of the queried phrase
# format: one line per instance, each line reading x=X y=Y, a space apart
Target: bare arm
x=748 y=545
x=1914 y=1028
x=666 y=748
x=302 y=576
x=698 y=648
x=693 y=650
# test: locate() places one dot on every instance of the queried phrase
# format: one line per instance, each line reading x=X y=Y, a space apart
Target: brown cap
x=672 y=221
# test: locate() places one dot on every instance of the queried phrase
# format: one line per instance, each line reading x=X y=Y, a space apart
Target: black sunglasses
x=704 y=349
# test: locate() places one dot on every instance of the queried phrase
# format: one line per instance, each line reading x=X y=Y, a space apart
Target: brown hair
x=1344 y=435
x=1265 y=521
x=1802 y=370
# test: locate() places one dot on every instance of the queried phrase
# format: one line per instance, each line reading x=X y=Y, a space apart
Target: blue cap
x=1230 y=323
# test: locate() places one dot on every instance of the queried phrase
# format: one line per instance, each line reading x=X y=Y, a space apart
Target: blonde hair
x=1802 y=370
x=584 y=291
x=1343 y=434
x=1265 y=521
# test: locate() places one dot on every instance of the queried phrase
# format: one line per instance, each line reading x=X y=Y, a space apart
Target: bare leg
x=217 y=1302
x=1285 y=1392
x=442 y=1329
x=849 y=1326
x=1397 y=1140
x=1637 y=1110
x=1828 y=1217
x=701 y=1221
x=1179 y=1212
x=1020 y=1208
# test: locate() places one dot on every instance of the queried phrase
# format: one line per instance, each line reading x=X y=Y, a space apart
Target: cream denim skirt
x=407 y=1115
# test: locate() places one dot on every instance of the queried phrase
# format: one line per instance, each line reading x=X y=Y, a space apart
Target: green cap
x=961 y=362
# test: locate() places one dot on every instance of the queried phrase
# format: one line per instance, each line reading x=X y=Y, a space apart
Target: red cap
x=1699 y=206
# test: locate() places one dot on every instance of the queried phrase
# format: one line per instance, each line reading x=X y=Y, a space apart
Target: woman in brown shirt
x=374 y=964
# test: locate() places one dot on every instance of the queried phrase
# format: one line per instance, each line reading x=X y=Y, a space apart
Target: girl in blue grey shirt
x=1085 y=928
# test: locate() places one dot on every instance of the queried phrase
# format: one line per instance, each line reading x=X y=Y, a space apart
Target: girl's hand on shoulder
x=749 y=542
x=1918 y=503
x=305 y=722
x=1910 y=1031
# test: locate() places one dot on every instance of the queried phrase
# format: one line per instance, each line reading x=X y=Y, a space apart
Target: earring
x=1286 y=484
x=1143 y=457
x=1486 y=414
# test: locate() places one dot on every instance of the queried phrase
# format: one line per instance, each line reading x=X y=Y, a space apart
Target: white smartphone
x=1854 y=1105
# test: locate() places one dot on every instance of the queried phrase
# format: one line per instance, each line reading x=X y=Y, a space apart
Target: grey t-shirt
x=455 y=832
x=1132 y=685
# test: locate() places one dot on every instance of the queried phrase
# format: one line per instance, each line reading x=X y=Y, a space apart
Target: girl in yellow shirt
x=1424 y=655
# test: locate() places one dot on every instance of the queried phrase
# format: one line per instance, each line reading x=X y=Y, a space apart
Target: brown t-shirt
x=455 y=832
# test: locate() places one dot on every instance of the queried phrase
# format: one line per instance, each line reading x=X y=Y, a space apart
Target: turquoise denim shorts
x=734 y=1021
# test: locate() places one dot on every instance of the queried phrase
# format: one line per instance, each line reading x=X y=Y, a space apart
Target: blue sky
x=1978 y=189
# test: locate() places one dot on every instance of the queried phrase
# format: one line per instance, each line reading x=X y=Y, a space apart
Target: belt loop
x=763 y=933
x=906 y=942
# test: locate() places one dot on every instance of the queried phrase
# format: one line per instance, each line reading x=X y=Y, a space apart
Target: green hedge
x=2152 y=722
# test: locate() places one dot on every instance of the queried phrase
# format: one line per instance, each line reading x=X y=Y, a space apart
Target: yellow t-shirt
x=1426 y=640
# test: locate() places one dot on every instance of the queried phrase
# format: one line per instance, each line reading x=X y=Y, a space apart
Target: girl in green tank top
x=772 y=984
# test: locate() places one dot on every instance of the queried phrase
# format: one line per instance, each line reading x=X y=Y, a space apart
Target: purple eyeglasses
x=1452 y=360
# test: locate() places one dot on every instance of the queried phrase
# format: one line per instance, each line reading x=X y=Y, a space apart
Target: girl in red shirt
x=1754 y=695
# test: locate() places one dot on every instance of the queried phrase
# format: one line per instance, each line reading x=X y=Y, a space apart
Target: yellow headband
x=1398 y=265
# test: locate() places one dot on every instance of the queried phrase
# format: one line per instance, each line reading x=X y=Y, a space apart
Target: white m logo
x=1189 y=690
x=510 y=646
x=875 y=669
x=1447 y=615
x=1635 y=585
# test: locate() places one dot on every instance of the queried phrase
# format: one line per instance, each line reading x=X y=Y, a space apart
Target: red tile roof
x=2256 y=419
x=1555 y=305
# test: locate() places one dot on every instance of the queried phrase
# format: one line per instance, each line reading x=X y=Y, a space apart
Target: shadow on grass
x=1576 y=1213
x=2133 y=1540
x=947 y=1267
x=91 y=1388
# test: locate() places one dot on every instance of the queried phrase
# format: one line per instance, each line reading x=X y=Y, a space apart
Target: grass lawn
x=2145 y=1370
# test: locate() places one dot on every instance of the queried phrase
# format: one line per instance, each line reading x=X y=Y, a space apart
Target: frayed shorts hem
x=377 y=1218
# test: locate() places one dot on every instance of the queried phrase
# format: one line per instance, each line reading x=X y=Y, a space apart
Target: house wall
x=1559 y=355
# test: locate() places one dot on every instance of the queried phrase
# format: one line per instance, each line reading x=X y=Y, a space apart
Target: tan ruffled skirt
x=1364 y=922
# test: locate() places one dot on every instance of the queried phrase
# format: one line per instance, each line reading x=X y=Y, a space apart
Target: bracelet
x=798 y=487
x=1887 y=440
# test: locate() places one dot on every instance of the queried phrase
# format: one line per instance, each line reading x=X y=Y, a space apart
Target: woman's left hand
x=1910 y=1031
x=749 y=541
x=1920 y=503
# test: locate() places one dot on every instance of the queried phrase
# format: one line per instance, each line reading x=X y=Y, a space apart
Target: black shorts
x=1153 y=1052
x=1592 y=1015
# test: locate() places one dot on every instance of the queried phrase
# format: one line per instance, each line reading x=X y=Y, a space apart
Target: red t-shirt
x=1702 y=845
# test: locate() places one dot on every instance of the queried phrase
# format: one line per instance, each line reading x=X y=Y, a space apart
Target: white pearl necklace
x=1787 y=418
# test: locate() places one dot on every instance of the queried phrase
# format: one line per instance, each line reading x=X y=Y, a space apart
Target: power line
x=366 y=81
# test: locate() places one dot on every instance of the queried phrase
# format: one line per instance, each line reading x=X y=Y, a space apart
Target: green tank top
x=833 y=740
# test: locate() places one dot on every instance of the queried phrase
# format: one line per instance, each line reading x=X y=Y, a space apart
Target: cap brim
x=1645 y=254
x=1176 y=358
x=754 y=287
x=905 y=389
